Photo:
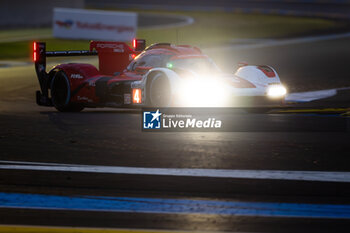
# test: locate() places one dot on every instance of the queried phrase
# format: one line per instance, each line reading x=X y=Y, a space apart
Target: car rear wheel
x=159 y=91
x=60 y=94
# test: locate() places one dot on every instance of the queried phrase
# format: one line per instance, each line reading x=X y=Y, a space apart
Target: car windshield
x=199 y=65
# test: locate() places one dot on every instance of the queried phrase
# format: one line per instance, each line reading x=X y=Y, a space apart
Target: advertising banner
x=94 y=24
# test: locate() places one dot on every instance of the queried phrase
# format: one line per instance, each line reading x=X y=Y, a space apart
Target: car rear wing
x=40 y=53
x=113 y=57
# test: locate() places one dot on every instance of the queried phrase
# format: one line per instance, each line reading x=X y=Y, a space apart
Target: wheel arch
x=79 y=71
x=172 y=77
x=256 y=74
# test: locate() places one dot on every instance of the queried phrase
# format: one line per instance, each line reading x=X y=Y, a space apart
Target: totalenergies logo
x=102 y=26
x=67 y=23
x=93 y=26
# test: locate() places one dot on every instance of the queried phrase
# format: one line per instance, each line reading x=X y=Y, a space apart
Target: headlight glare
x=275 y=91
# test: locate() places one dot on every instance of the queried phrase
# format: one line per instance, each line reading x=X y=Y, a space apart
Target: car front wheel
x=159 y=91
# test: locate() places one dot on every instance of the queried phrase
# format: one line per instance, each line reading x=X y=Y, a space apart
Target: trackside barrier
x=94 y=24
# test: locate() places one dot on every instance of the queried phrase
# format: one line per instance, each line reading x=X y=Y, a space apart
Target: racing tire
x=160 y=91
x=61 y=94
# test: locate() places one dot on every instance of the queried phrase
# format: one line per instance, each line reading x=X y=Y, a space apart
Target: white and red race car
x=161 y=75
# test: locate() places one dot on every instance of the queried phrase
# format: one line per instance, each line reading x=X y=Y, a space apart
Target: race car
x=161 y=75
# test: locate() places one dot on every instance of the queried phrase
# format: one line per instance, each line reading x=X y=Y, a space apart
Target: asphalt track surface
x=110 y=137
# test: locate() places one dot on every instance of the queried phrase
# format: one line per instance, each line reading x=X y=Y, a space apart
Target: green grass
x=208 y=28
x=218 y=27
x=22 y=49
x=20 y=33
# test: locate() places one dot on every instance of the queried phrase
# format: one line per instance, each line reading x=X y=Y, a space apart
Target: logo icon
x=151 y=120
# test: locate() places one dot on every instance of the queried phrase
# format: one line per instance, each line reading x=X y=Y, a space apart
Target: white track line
x=323 y=176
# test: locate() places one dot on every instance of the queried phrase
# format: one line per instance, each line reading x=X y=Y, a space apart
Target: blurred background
x=228 y=30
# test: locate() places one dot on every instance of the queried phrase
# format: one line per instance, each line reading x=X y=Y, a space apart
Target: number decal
x=136 y=96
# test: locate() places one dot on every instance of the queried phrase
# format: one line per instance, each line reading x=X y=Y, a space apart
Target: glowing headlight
x=202 y=93
x=275 y=91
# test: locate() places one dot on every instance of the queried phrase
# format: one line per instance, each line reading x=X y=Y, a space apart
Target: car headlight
x=203 y=93
x=275 y=91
